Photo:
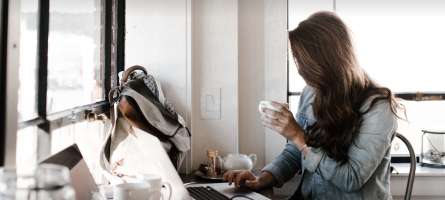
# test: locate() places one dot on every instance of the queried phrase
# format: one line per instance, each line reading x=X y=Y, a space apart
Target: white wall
x=215 y=65
x=251 y=78
x=262 y=74
x=12 y=61
x=156 y=38
x=275 y=75
x=238 y=46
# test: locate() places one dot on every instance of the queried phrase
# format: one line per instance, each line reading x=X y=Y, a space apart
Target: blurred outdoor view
x=74 y=74
x=400 y=44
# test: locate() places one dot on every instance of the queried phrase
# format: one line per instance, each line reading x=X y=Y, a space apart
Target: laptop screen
x=81 y=179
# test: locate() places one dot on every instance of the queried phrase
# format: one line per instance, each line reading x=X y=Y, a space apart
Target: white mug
x=155 y=182
x=133 y=191
x=266 y=104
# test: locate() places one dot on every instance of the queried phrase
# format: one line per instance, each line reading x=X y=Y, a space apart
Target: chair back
x=412 y=171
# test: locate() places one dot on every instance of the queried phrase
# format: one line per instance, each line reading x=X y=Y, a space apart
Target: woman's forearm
x=266 y=179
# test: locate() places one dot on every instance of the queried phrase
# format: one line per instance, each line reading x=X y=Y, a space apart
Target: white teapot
x=237 y=162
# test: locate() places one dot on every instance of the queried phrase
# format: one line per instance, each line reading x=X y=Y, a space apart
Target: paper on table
x=126 y=171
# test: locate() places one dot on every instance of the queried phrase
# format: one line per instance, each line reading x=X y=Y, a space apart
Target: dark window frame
x=4 y=4
x=47 y=123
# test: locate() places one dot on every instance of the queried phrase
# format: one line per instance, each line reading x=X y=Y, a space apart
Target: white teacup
x=133 y=191
x=266 y=104
x=155 y=182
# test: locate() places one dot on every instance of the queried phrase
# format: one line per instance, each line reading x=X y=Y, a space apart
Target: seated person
x=341 y=136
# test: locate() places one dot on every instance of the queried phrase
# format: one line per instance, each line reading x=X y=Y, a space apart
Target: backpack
x=139 y=102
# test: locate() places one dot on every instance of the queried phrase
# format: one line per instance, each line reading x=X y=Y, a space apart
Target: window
x=401 y=45
x=69 y=53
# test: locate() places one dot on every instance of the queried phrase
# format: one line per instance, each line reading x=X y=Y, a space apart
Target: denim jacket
x=364 y=176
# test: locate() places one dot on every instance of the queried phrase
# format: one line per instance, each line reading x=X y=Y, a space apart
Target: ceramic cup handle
x=158 y=192
x=253 y=159
x=169 y=189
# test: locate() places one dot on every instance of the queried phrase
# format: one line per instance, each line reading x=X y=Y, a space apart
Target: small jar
x=41 y=182
x=433 y=149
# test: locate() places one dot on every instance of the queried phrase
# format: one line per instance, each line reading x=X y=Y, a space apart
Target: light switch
x=210 y=103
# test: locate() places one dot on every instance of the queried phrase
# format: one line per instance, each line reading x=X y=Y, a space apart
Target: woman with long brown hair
x=341 y=136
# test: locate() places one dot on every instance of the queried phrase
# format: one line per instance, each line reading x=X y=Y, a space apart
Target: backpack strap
x=113 y=97
x=131 y=69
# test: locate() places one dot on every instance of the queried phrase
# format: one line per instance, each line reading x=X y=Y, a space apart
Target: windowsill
x=428 y=182
x=403 y=169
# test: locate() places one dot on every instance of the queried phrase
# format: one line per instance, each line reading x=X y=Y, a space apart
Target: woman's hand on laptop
x=242 y=178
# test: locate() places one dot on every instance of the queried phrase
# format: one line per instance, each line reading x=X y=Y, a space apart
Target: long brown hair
x=324 y=53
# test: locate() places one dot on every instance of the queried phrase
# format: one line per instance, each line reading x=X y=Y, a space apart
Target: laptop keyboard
x=206 y=193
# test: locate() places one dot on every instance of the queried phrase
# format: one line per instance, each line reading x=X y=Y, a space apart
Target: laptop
x=161 y=164
x=81 y=179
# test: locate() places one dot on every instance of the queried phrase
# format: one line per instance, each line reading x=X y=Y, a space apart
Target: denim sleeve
x=286 y=165
x=373 y=140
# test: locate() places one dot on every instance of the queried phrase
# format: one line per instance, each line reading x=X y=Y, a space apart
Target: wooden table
x=193 y=179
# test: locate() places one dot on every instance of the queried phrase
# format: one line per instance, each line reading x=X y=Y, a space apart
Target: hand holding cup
x=266 y=104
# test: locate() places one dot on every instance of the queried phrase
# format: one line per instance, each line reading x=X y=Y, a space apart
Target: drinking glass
x=41 y=182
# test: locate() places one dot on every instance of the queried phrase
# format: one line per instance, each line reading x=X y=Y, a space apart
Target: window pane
x=298 y=11
x=293 y=103
x=88 y=136
x=422 y=115
x=400 y=43
x=74 y=69
x=27 y=69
